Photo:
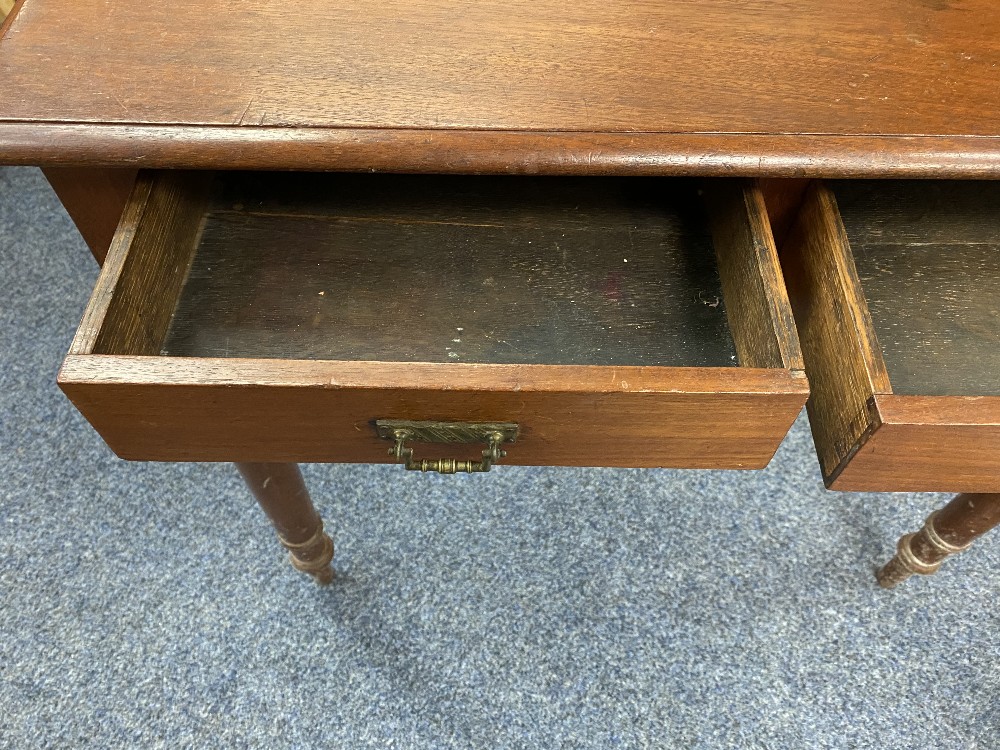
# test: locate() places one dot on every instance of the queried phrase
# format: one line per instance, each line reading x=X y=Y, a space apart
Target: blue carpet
x=148 y=605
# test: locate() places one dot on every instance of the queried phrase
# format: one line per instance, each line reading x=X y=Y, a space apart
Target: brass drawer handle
x=401 y=431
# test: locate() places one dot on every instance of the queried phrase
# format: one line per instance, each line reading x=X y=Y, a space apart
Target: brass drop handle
x=491 y=455
x=494 y=434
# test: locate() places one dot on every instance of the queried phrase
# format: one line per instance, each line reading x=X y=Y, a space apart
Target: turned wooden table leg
x=284 y=498
x=95 y=198
x=946 y=531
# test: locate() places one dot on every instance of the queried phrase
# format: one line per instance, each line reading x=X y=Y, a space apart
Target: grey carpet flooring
x=148 y=605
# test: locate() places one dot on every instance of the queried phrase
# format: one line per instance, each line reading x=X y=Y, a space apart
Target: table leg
x=284 y=498
x=946 y=531
x=94 y=199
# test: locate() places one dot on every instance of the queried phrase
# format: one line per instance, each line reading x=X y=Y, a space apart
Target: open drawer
x=896 y=292
x=277 y=317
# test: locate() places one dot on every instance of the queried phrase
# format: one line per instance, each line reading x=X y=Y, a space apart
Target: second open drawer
x=266 y=317
x=896 y=292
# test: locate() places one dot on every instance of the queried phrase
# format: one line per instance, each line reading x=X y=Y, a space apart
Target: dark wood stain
x=758 y=309
x=438 y=269
x=193 y=409
x=928 y=256
x=405 y=150
x=737 y=66
x=872 y=433
x=94 y=199
x=927 y=444
x=753 y=87
x=265 y=409
x=842 y=358
x=967 y=517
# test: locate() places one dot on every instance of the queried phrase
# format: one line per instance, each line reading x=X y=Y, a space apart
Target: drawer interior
x=896 y=291
x=928 y=258
x=458 y=269
x=453 y=269
x=278 y=317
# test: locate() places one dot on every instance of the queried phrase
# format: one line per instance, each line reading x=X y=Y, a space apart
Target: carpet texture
x=149 y=605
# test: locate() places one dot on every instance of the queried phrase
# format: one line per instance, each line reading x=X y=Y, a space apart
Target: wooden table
x=782 y=97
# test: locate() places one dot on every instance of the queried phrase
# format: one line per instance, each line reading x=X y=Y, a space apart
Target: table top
x=842 y=87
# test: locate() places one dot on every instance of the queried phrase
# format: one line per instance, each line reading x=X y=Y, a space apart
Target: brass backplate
x=446 y=432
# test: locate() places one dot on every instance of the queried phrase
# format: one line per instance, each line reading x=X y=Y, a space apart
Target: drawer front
x=896 y=292
x=143 y=368
x=274 y=410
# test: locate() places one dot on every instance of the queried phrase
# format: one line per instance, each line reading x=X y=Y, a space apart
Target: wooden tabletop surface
x=841 y=87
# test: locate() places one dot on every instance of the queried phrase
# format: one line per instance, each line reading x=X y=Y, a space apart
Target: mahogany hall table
x=452 y=234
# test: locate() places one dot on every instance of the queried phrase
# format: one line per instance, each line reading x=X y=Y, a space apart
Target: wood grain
x=752 y=86
x=868 y=436
x=842 y=356
x=596 y=271
x=928 y=256
x=757 y=306
x=134 y=299
x=916 y=212
x=179 y=409
x=268 y=410
x=95 y=200
x=928 y=444
x=783 y=198
x=282 y=495
x=497 y=152
x=844 y=67
x=945 y=532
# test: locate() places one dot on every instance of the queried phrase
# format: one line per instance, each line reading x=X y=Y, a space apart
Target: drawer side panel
x=842 y=356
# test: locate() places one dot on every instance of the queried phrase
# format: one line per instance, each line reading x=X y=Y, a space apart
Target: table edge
x=53 y=144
